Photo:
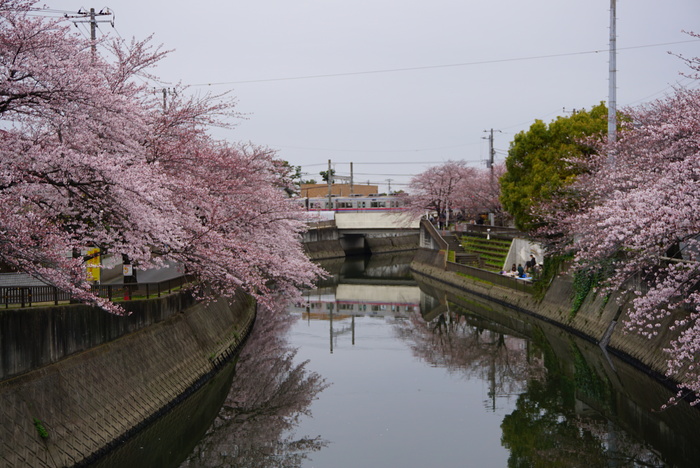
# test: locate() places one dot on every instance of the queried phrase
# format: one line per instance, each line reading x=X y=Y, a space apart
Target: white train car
x=356 y=203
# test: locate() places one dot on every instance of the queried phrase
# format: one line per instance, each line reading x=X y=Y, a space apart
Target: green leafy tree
x=538 y=162
x=291 y=178
x=324 y=174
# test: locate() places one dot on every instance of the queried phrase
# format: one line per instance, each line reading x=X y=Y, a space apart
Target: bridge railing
x=321 y=224
x=27 y=296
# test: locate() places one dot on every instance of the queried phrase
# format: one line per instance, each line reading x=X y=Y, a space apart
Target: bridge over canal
x=372 y=231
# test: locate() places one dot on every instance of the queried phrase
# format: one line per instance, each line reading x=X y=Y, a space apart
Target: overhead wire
x=64 y=13
x=432 y=67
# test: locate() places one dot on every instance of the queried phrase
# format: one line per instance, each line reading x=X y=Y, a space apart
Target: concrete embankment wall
x=31 y=338
x=387 y=244
x=323 y=243
x=92 y=400
x=597 y=320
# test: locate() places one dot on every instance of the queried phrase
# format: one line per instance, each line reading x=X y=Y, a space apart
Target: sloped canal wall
x=102 y=378
x=609 y=386
x=598 y=320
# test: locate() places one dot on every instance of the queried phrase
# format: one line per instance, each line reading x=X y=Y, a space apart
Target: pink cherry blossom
x=91 y=157
x=634 y=214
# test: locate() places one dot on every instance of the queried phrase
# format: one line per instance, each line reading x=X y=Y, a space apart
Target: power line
x=342 y=162
x=382 y=174
x=432 y=67
x=414 y=150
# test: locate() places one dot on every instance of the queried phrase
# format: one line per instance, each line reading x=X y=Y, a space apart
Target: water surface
x=419 y=378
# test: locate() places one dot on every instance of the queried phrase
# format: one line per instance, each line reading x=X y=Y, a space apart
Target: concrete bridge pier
x=354 y=244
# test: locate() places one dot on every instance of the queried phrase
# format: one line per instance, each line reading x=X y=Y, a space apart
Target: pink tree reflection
x=268 y=396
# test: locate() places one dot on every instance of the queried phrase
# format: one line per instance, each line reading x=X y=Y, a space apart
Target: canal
x=381 y=369
x=377 y=368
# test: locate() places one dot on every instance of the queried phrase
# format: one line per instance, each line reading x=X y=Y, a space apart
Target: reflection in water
x=553 y=426
x=559 y=400
x=462 y=344
x=269 y=394
x=565 y=406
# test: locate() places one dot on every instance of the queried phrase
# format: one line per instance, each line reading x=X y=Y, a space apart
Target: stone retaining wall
x=95 y=399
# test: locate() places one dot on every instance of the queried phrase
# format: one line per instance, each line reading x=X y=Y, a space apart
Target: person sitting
x=513 y=271
x=521 y=270
x=530 y=264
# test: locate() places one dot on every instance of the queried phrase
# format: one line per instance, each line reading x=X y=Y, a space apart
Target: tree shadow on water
x=269 y=395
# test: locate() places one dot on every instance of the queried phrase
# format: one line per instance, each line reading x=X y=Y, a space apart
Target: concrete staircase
x=491 y=252
x=461 y=256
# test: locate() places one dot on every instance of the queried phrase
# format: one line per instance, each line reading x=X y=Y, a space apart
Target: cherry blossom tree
x=90 y=157
x=633 y=215
x=73 y=172
x=480 y=192
x=240 y=228
x=437 y=188
x=456 y=187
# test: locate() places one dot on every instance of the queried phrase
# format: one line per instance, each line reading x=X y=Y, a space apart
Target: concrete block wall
x=385 y=244
x=91 y=400
x=326 y=243
x=322 y=243
x=30 y=338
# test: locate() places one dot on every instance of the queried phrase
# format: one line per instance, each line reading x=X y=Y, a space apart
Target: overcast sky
x=396 y=86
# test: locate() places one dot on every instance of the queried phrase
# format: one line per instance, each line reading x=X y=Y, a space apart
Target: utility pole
x=492 y=153
x=490 y=163
x=91 y=17
x=330 y=185
x=351 y=180
x=612 y=90
x=165 y=92
x=389 y=182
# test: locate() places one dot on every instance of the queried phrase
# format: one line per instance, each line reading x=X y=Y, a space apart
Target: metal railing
x=485 y=229
x=26 y=296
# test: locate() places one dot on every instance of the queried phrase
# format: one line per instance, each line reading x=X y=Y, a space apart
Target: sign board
x=93 y=265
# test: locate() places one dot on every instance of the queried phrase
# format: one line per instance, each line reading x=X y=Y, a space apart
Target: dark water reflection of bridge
x=556 y=399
